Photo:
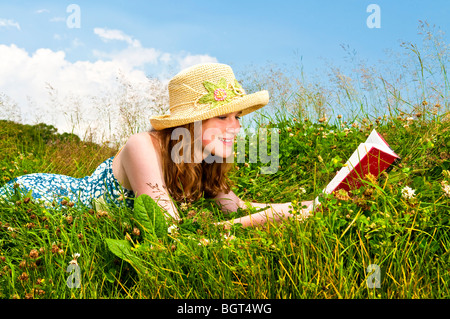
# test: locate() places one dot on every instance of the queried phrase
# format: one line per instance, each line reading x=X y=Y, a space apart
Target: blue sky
x=164 y=36
x=235 y=32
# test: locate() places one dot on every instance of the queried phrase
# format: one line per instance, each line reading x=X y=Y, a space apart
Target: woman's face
x=218 y=134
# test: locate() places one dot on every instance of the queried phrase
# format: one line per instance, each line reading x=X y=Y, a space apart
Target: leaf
x=209 y=86
x=150 y=216
x=222 y=83
x=207 y=98
x=122 y=249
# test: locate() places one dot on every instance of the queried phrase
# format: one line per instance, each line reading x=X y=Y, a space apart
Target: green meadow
x=397 y=225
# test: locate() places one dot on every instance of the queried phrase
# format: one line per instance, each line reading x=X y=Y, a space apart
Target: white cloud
x=58 y=19
x=135 y=55
x=108 y=34
x=9 y=23
x=187 y=60
x=28 y=77
x=42 y=11
x=51 y=89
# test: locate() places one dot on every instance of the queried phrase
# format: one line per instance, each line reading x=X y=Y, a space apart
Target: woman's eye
x=224 y=117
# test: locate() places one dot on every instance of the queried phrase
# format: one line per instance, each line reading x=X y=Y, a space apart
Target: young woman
x=183 y=157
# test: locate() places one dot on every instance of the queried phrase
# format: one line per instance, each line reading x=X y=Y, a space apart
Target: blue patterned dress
x=100 y=187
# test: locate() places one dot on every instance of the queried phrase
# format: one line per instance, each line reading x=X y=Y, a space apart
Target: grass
x=324 y=257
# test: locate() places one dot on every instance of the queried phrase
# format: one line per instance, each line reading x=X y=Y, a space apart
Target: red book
x=373 y=156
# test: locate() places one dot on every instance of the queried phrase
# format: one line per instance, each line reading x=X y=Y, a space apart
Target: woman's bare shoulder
x=143 y=141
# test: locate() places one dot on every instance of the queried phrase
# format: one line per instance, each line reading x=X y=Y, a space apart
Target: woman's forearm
x=272 y=213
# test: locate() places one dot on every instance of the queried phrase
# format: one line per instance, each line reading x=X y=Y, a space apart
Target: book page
x=376 y=138
x=374 y=141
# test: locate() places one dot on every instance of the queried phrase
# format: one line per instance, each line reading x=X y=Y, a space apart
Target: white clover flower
x=446 y=188
x=229 y=237
x=203 y=241
x=74 y=260
x=408 y=192
x=173 y=229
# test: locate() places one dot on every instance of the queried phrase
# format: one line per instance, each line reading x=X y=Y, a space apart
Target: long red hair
x=190 y=181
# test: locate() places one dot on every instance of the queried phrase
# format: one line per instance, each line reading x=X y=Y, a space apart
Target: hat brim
x=247 y=104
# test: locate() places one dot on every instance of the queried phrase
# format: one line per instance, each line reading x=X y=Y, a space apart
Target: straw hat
x=204 y=91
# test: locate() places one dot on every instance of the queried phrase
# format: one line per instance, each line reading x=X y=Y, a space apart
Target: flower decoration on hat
x=220 y=93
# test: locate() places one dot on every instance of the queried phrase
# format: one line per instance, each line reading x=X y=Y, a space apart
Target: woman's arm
x=273 y=212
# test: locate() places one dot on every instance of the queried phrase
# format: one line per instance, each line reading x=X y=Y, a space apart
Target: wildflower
x=320 y=158
x=55 y=248
x=203 y=241
x=183 y=206
x=74 y=259
x=191 y=213
x=408 y=192
x=30 y=225
x=40 y=281
x=302 y=190
x=69 y=219
x=102 y=213
x=291 y=134
x=446 y=188
x=371 y=178
x=342 y=194
x=172 y=229
x=23 y=276
x=229 y=237
x=34 y=254
x=136 y=231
